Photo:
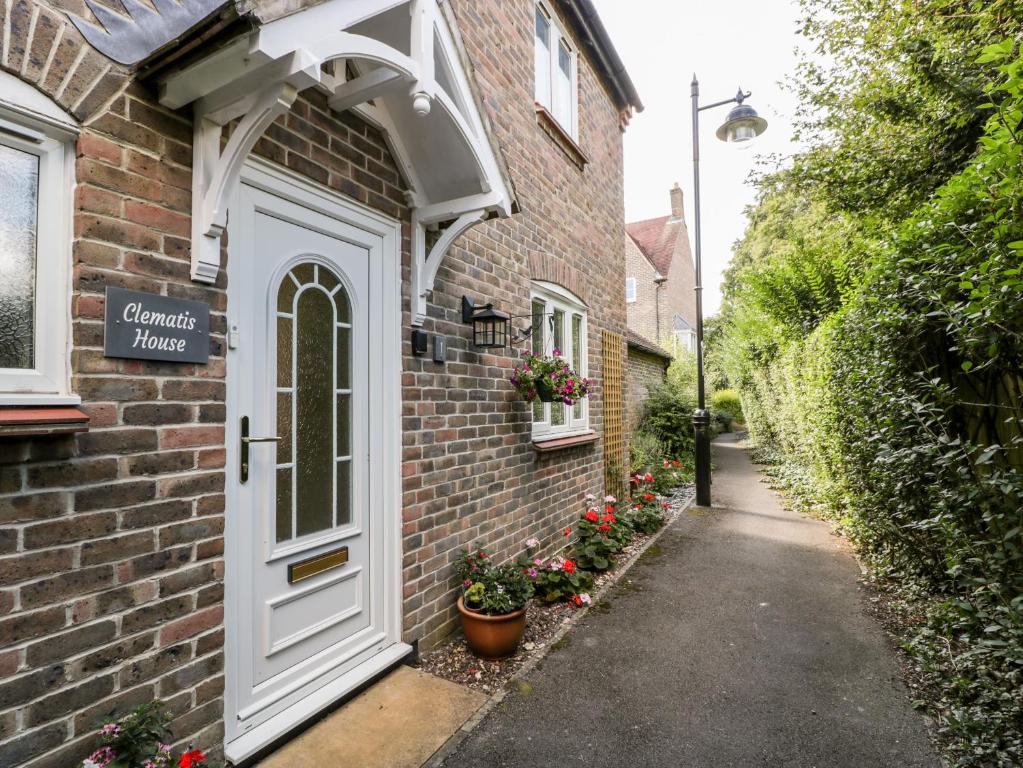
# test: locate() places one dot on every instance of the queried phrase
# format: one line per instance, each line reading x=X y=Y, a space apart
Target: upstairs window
x=630 y=290
x=555 y=70
x=559 y=323
x=36 y=185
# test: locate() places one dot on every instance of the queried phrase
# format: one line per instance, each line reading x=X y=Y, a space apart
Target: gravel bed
x=454 y=661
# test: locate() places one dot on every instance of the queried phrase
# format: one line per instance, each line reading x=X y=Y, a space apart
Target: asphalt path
x=740 y=639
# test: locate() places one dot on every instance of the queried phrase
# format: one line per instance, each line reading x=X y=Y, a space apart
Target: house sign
x=146 y=326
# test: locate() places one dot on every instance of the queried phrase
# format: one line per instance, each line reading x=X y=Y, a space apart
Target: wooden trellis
x=614 y=407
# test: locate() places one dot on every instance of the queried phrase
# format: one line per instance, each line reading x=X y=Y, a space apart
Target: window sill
x=42 y=421
x=561 y=137
x=550 y=445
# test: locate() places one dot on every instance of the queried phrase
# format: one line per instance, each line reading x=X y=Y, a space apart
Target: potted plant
x=550 y=379
x=140 y=739
x=492 y=604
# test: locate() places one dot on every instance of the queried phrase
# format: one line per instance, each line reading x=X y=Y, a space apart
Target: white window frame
x=556 y=297
x=553 y=105
x=31 y=123
x=630 y=290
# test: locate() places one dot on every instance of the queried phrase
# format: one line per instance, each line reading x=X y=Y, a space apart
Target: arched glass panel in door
x=314 y=403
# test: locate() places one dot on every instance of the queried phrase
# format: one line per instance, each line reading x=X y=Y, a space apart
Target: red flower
x=568 y=566
x=648 y=477
x=665 y=505
x=192 y=758
x=568 y=531
x=592 y=516
x=577 y=600
x=604 y=528
x=483 y=555
x=609 y=519
x=609 y=508
x=648 y=497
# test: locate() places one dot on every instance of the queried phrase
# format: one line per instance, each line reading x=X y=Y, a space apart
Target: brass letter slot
x=306 y=569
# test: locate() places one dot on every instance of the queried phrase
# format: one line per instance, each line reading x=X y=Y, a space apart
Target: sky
x=727 y=44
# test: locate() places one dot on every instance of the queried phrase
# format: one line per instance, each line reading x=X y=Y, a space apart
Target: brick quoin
x=111 y=541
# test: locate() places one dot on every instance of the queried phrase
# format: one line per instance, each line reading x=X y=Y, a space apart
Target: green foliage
x=727 y=401
x=644 y=512
x=873 y=326
x=645 y=451
x=139 y=736
x=668 y=417
x=559 y=579
x=493 y=590
x=601 y=536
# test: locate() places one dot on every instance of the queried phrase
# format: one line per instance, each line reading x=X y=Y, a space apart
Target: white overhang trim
x=257 y=77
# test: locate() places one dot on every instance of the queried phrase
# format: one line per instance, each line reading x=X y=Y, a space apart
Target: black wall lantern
x=489 y=325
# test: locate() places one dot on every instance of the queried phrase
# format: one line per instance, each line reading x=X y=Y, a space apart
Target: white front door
x=313 y=523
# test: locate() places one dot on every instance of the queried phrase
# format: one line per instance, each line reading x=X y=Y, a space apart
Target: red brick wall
x=471 y=475
x=111 y=549
x=645 y=371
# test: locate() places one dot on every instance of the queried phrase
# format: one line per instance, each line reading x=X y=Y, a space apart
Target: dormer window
x=556 y=71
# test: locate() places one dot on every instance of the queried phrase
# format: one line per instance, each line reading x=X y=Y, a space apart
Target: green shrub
x=668 y=416
x=727 y=401
x=879 y=364
x=645 y=451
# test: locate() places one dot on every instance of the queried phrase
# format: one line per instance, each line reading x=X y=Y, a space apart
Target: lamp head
x=742 y=124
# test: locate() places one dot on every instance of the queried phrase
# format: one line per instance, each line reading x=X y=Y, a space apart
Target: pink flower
x=609 y=499
x=467 y=583
x=110 y=729
x=557 y=352
x=584 y=598
x=103 y=755
x=538 y=561
x=532 y=543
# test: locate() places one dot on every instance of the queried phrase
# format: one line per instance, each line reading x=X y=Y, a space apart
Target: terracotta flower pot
x=492 y=637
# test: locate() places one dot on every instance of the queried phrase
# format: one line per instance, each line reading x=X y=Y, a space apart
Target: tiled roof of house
x=658 y=239
x=636 y=341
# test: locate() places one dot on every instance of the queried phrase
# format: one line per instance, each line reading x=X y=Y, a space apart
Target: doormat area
x=397 y=723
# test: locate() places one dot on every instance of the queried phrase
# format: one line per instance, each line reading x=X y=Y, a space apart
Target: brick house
x=661 y=279
x=250 y=523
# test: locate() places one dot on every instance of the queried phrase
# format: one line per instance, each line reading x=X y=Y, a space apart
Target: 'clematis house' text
x=148 y=326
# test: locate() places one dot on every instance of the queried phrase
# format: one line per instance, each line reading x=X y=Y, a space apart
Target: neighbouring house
x=660 y=279
x=244 y=426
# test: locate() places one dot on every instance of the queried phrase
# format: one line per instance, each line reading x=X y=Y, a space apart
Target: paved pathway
x=739 y=640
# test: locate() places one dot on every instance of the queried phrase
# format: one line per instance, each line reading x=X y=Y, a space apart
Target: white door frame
x=386 y=477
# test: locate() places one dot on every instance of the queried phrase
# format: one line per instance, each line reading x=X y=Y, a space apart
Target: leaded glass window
x=314 y=403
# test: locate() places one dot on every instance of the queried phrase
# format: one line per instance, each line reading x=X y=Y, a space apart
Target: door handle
x=246 y=441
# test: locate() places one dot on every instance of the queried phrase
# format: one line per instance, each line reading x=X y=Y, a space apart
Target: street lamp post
x=742 y=124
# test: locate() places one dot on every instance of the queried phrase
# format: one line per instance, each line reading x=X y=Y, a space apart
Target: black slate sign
x=145 y=326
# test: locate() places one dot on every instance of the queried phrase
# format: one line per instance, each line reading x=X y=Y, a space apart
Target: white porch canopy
x=404 y=56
